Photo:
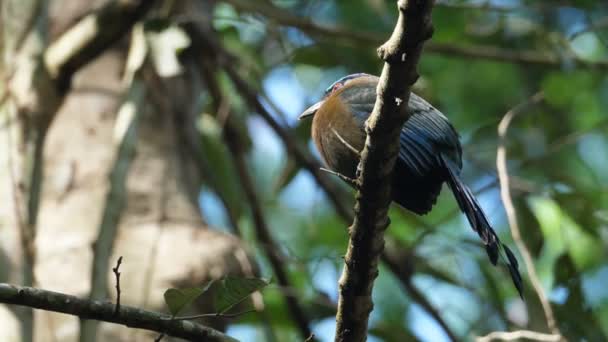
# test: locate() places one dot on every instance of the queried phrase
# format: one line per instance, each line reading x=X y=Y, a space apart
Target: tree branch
x=404 y=270
x=518 y=335
x=128 y=118
x=104 y=311
x=523 y=57
x=31 y=106
x=265 y=239
x=510 y=8
x=348 y=35
x=505 y=194
x=400 y=54
x=233 y=141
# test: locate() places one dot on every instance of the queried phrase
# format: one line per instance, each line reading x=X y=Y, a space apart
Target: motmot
x=429 y=155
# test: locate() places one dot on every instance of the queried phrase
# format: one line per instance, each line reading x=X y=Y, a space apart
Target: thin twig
x=505 y=9
x=518 y=335
x=310 y=338
x=351 y=181
x=505 y=194
x=214 y=315
x=116 y=271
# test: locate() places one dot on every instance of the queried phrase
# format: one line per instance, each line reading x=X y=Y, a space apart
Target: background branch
x=505 y=194
x=127 y=125
x=262 y=232
x=277 y=261
x=518 y=335
x=30 y=107
x=403 y=268
x=352 y=36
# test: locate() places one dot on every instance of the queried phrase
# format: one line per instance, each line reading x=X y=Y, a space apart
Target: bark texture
x=161 y=235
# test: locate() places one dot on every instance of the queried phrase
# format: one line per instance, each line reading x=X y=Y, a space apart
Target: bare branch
x=523 y=57
x=104 y=311
x=400 y=54
x=505 y=194
x=403 y=269
x=264 y=237
x=116 y=196
x=489 y=6
x=234 y=143
x=351 y=181
x=31 y=103
x=518 y=335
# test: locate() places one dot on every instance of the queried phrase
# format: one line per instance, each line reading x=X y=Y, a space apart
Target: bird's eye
x=332 y=88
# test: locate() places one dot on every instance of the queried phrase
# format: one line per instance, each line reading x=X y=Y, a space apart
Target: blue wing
x=419 y=171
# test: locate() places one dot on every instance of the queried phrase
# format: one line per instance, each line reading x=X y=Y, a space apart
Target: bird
x=430 y=154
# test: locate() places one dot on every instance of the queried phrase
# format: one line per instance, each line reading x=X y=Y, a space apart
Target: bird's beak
x=310 y=111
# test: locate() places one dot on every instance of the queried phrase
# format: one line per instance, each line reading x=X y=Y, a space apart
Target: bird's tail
x=479 y=222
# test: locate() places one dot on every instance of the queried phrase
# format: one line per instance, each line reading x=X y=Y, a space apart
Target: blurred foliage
x=557 y=152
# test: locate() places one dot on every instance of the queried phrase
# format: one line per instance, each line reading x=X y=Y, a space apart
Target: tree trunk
x=161 y=235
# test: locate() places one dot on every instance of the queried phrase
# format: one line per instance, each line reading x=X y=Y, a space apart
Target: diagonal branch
x=505 y=194
x=400 y=54
x=404 y=270
x=129 y=116
x=233 y=141
x=104 y=311
x=265 y=238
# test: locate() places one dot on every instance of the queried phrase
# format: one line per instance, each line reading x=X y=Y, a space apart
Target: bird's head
x=337 y=88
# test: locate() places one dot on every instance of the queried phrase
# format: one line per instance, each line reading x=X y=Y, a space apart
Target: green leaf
x=234 y=290
x=178 y=299
x=563 y=234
